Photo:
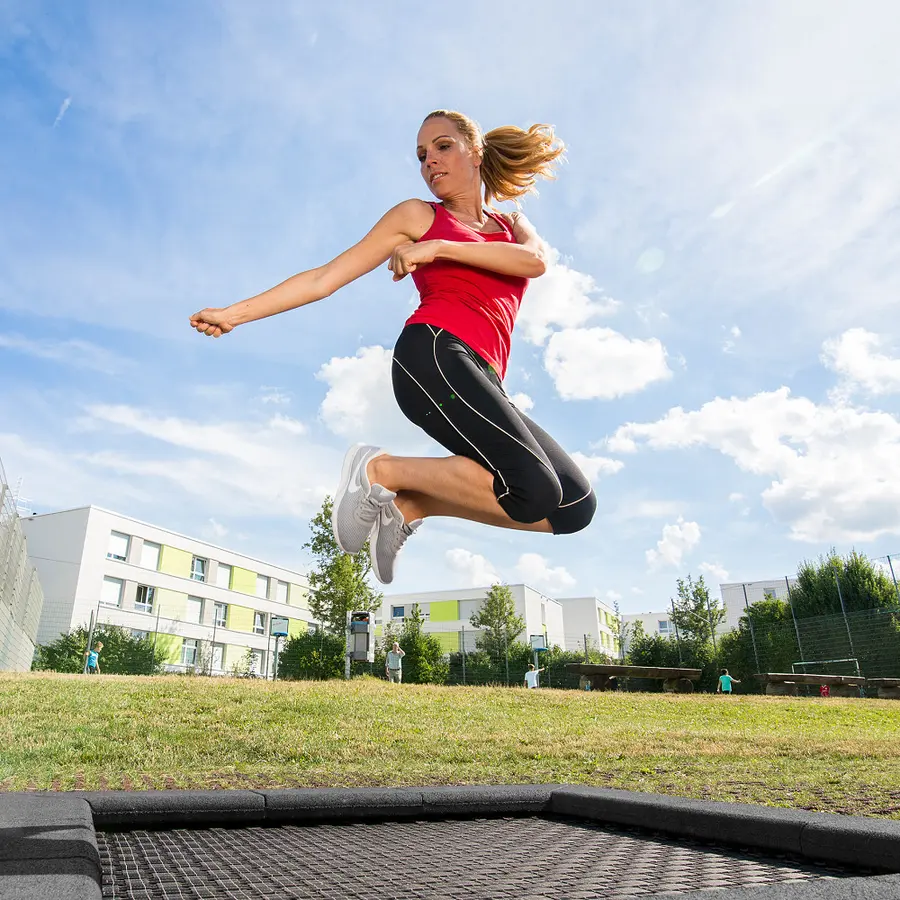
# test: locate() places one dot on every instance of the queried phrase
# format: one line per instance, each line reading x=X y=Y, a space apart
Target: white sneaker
x=388 y=537
x=357 y=503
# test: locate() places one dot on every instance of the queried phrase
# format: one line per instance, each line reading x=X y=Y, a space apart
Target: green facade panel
x=240 y=618
x=170 y=645
x=243 y=580
x=295 y=627
x=298 y=596
x=449 y=640
x=444 y=611
x=170 y=604
x=173 y=561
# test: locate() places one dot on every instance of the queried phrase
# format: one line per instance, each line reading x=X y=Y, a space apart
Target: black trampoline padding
x=535 y=857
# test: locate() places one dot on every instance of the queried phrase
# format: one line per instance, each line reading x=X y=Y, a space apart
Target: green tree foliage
x=425 y=661
x=122 y=654
x=694 y=612
x=765 y=631
x=685 y=651
x=499 y=621
x=313 y=656
x=339 y=581
x=862 y=586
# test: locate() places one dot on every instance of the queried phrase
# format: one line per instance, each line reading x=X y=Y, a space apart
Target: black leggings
x=453 y=395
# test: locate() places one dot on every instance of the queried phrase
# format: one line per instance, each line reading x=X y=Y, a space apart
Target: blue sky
x=717 y=339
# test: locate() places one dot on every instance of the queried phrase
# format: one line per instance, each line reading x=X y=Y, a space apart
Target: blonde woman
x=471 y=266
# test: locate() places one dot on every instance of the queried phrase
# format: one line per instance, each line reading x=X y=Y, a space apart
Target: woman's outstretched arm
x=397 y=226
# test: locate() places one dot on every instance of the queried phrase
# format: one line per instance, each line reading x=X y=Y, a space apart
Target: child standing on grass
x=531 y=676
x=93 y=659
x=725 y=683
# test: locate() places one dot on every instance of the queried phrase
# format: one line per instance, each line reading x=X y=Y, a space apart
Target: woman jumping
x=471 y=267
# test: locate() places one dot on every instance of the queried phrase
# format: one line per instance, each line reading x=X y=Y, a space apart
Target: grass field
x=64 y=732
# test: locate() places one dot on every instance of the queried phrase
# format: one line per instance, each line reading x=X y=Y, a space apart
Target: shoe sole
x=341 y=492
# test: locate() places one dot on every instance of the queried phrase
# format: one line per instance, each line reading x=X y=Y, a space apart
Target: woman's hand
x=409 y=256
x=212 y=322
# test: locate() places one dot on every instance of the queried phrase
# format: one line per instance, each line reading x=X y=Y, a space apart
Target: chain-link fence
x=21 y=598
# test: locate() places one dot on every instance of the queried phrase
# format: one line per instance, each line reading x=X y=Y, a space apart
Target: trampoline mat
x=539 y=857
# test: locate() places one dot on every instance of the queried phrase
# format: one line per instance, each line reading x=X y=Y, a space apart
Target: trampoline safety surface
x=543 y=842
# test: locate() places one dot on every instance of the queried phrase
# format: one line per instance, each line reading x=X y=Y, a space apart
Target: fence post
x=506 y=654
x=791 y=605
x=587 y=657
x=837 y=581
x=677 y=636
x=893 y=576
x=462 y=647
x=89 y=643
x=712 y=628
x=750 y=623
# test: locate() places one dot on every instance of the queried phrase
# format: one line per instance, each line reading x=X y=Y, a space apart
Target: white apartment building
x=737 y=596
x=653 y=623
x=588 y=617
x=447 y=614
x=189 y=596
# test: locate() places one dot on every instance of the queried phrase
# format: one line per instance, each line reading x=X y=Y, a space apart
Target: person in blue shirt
x=93 y=659
x=725 y=682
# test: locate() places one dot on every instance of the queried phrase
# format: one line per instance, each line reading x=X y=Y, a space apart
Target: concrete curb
x=49 y=851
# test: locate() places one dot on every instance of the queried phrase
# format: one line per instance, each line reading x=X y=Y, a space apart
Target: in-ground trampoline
x=542 y=842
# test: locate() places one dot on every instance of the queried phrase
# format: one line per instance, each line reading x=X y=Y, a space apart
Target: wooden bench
x=785 y=684
x=888 y=688
x=602 y=678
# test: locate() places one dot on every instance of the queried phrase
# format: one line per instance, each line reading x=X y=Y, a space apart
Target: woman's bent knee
x=574 y=517
x=530 y=503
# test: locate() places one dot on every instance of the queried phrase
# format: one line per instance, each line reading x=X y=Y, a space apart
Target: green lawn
x=66 y=732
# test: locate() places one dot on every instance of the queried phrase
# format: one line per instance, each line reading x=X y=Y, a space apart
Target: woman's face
x=448 y=165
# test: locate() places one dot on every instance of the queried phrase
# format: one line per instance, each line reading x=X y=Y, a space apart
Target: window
x=259 y=623
x=281 y=591
x=198 y=569
x=143 y=601
x=223 y=576
x=218 y=657
x=150 y=556
x=262 y=586
x=398 y=612
x=118 y=546
x=140 y=635
x=189 y=652
x=194 y=610
x=221 y=615
x=111 y=592
x=665 y=626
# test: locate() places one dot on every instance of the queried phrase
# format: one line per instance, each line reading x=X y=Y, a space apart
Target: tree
x=497 y=616
x=339 y=581
x=123 y=654
x=764 y=641
x=623 y=630
x=694 y=612
x=862 y=586
x=424 y=662
x=312 y=655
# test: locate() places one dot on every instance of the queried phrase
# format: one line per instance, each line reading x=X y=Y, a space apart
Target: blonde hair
x=511 y=159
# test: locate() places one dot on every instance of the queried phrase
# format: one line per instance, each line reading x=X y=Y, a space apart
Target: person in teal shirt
x=725 y=682
x=93 y=659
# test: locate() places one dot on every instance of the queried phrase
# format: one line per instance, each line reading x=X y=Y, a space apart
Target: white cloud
x=599 y=363
x=677 y=539
x=62 y=111
x=717 y=573
x=472 y=569
x=835 y=469
x=735 y=497
x=613 y=596
x=522 y=402
x=536 y=571
x=275 y=396
x=854 y=355
x=647 y=509
x=561 y=297
x=731 y=341
x=217 y=529
x=595 y=467
x=359 y=404
x=77 y=353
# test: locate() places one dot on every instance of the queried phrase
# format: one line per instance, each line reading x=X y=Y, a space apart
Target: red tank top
x=476 y=305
